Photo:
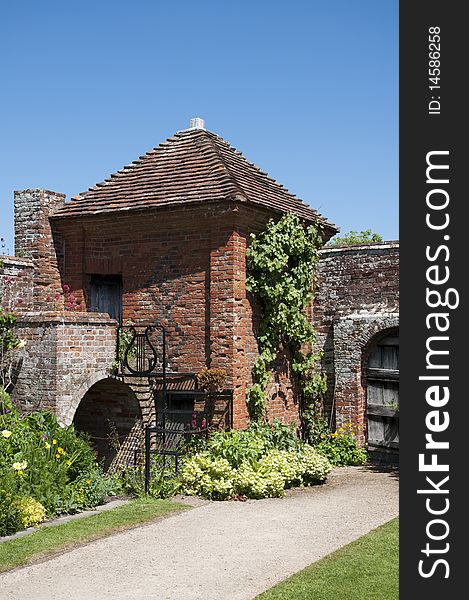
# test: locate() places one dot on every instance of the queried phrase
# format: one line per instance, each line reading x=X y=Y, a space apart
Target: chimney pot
x=197 y=123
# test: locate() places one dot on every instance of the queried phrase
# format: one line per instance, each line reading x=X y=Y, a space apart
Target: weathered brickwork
x=34 y=239
x=16 y=283
x=108 y=411
x=186 y=269
x=357 y=299
x=182 y=266
x=65 y=354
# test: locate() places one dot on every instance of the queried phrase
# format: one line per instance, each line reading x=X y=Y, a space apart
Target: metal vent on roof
x=197 y=123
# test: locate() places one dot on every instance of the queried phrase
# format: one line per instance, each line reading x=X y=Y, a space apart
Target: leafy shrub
x=31 y=511
x=249 y=445
x=164 y=482
x=315 y=468
x=208 y=476
x=90 y=488
x=341 y=447
x=355 y=237
x=248 y=463
x=45 y=465
x=132 y=481
x=10 y=514
x=263 y=482
x=286 y=464
x=19 y=512
x=236 y=446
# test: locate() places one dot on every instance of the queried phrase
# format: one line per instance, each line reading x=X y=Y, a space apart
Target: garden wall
x=16 y=283
x=357 y=297
x=65 y=354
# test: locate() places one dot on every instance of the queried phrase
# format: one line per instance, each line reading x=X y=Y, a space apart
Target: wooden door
x=106 y=295
x=382 y=388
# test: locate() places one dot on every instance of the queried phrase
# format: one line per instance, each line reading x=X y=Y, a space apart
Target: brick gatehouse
x=164 y=240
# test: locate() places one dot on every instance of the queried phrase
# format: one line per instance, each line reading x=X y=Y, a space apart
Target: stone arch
x=109 y=412
x=353 y=337
x=376 y=337
x=67 y=415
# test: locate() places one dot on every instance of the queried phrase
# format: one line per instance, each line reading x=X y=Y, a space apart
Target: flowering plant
x=341 y=446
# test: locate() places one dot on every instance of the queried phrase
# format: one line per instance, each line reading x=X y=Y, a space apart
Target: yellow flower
x=57 y=456
x=47 y=445
x=6 y=433
x=69 y=462
x=335 y=434
x=54 y=441
x=341 y=430
x=88 y=481
x=323 y=435
x=61 y=450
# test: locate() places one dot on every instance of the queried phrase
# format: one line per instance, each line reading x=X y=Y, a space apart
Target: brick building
x=163 y=240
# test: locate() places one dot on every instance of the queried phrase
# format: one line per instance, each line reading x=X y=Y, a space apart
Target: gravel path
x=218 y=550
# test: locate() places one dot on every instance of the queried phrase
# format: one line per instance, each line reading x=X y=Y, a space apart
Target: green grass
x=48 y=541
x=366 y=569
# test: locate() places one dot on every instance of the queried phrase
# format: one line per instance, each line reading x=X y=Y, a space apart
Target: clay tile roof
x=195 y=165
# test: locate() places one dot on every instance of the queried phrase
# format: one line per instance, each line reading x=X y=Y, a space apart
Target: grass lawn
x=55 y=539
x=366 y=569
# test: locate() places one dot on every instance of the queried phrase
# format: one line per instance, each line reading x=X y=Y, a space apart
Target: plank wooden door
x=382 y=388
x=106 y=295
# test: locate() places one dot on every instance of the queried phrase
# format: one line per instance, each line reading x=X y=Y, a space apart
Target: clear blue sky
x=306 y=89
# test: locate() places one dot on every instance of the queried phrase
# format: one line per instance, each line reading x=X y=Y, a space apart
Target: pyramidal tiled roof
x=193 y=166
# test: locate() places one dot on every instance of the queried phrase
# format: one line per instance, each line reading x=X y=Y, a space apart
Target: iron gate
x=176 y=428
x=182 y=409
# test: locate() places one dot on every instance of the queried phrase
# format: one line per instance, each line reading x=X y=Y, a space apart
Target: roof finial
x=197 y=123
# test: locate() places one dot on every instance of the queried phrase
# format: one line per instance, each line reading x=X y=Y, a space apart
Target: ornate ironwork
x=138 y=356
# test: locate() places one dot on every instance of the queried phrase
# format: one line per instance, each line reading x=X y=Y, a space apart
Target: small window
x=106 y=295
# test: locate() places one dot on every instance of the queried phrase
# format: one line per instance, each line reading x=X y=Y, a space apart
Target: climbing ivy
x=281 y=264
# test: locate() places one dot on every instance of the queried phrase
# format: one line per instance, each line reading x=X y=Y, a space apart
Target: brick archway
x=108 y=412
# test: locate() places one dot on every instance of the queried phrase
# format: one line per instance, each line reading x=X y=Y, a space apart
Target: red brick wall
x=34 y=240
x=184 y=267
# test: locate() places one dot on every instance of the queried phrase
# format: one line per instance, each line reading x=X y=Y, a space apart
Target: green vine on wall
x=281 y=263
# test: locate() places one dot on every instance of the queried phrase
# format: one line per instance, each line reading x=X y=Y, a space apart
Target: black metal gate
x=182 y=409
x=177 y=428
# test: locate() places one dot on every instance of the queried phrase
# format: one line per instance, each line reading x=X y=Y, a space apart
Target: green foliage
x=32 y=512
x=8 y=340
x=249 y=445
x=208 y=476
x=9 y=343
x=315 y=425
x=10 y=513
x=341 y=447
x=355 y=237
x=48 y=464
x=164 y=481
x=281 y=263
x=260 y=462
